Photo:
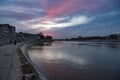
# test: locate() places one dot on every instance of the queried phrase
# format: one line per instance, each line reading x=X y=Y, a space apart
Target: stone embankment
x=14 y=65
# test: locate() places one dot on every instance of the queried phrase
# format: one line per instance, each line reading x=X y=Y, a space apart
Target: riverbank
x=28 y=68
x=36 y=70
x=15 y=65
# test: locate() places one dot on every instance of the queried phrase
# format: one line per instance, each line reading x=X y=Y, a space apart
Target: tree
x=41 y=35
x=48 y=37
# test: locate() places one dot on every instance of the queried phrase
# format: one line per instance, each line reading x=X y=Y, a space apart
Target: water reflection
x=50 y=56
x=77 y=60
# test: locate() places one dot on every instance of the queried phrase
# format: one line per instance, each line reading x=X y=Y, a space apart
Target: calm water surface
x=77 y=60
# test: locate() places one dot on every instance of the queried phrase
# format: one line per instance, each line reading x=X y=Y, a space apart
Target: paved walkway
x=9 y=63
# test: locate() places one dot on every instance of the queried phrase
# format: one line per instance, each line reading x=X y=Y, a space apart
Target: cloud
x=106 y=17
x=65 y=7
x=113 y=13
x=17 y=9
x=20 y=9
x=57 y=22
x=19 y=12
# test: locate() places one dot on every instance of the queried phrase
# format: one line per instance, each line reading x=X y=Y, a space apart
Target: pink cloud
x=65 y=7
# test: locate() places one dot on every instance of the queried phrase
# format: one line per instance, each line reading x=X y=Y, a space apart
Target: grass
x=27 y=68
x=23 y=60
x=22 y=57
x=33 y=77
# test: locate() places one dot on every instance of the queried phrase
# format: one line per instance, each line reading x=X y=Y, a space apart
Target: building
x=27 y=37
x=7 y=34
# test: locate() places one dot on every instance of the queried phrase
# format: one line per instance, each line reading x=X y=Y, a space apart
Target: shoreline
x=28 y=70
x=36 y=70
x=16 y=64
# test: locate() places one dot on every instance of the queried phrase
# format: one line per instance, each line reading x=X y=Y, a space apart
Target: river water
x=77 y=60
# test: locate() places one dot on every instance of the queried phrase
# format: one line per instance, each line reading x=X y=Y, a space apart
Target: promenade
x=9 y=63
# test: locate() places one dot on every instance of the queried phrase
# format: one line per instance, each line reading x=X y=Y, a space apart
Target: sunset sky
x=62 y=18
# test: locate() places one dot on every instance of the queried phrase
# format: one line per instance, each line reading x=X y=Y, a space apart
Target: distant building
x=26 y=37
x=7 y=34
x=7 y=29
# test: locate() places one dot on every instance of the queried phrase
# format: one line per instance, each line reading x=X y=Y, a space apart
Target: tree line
x=107 y=37
x=47 y=37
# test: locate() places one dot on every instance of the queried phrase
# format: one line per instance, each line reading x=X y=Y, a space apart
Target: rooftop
x=4 y=25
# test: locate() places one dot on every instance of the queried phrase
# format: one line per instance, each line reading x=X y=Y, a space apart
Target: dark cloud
x=30 y=4
x=18 y=16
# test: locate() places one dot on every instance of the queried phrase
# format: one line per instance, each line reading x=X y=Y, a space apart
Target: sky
x=62 y=18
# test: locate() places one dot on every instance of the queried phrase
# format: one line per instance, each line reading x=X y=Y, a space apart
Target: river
x=77 y=60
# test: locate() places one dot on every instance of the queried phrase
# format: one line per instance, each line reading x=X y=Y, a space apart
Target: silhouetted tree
x=48 y=37
x=41 y=35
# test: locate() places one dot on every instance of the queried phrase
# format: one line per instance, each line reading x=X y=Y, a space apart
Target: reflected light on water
x=50 y=56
